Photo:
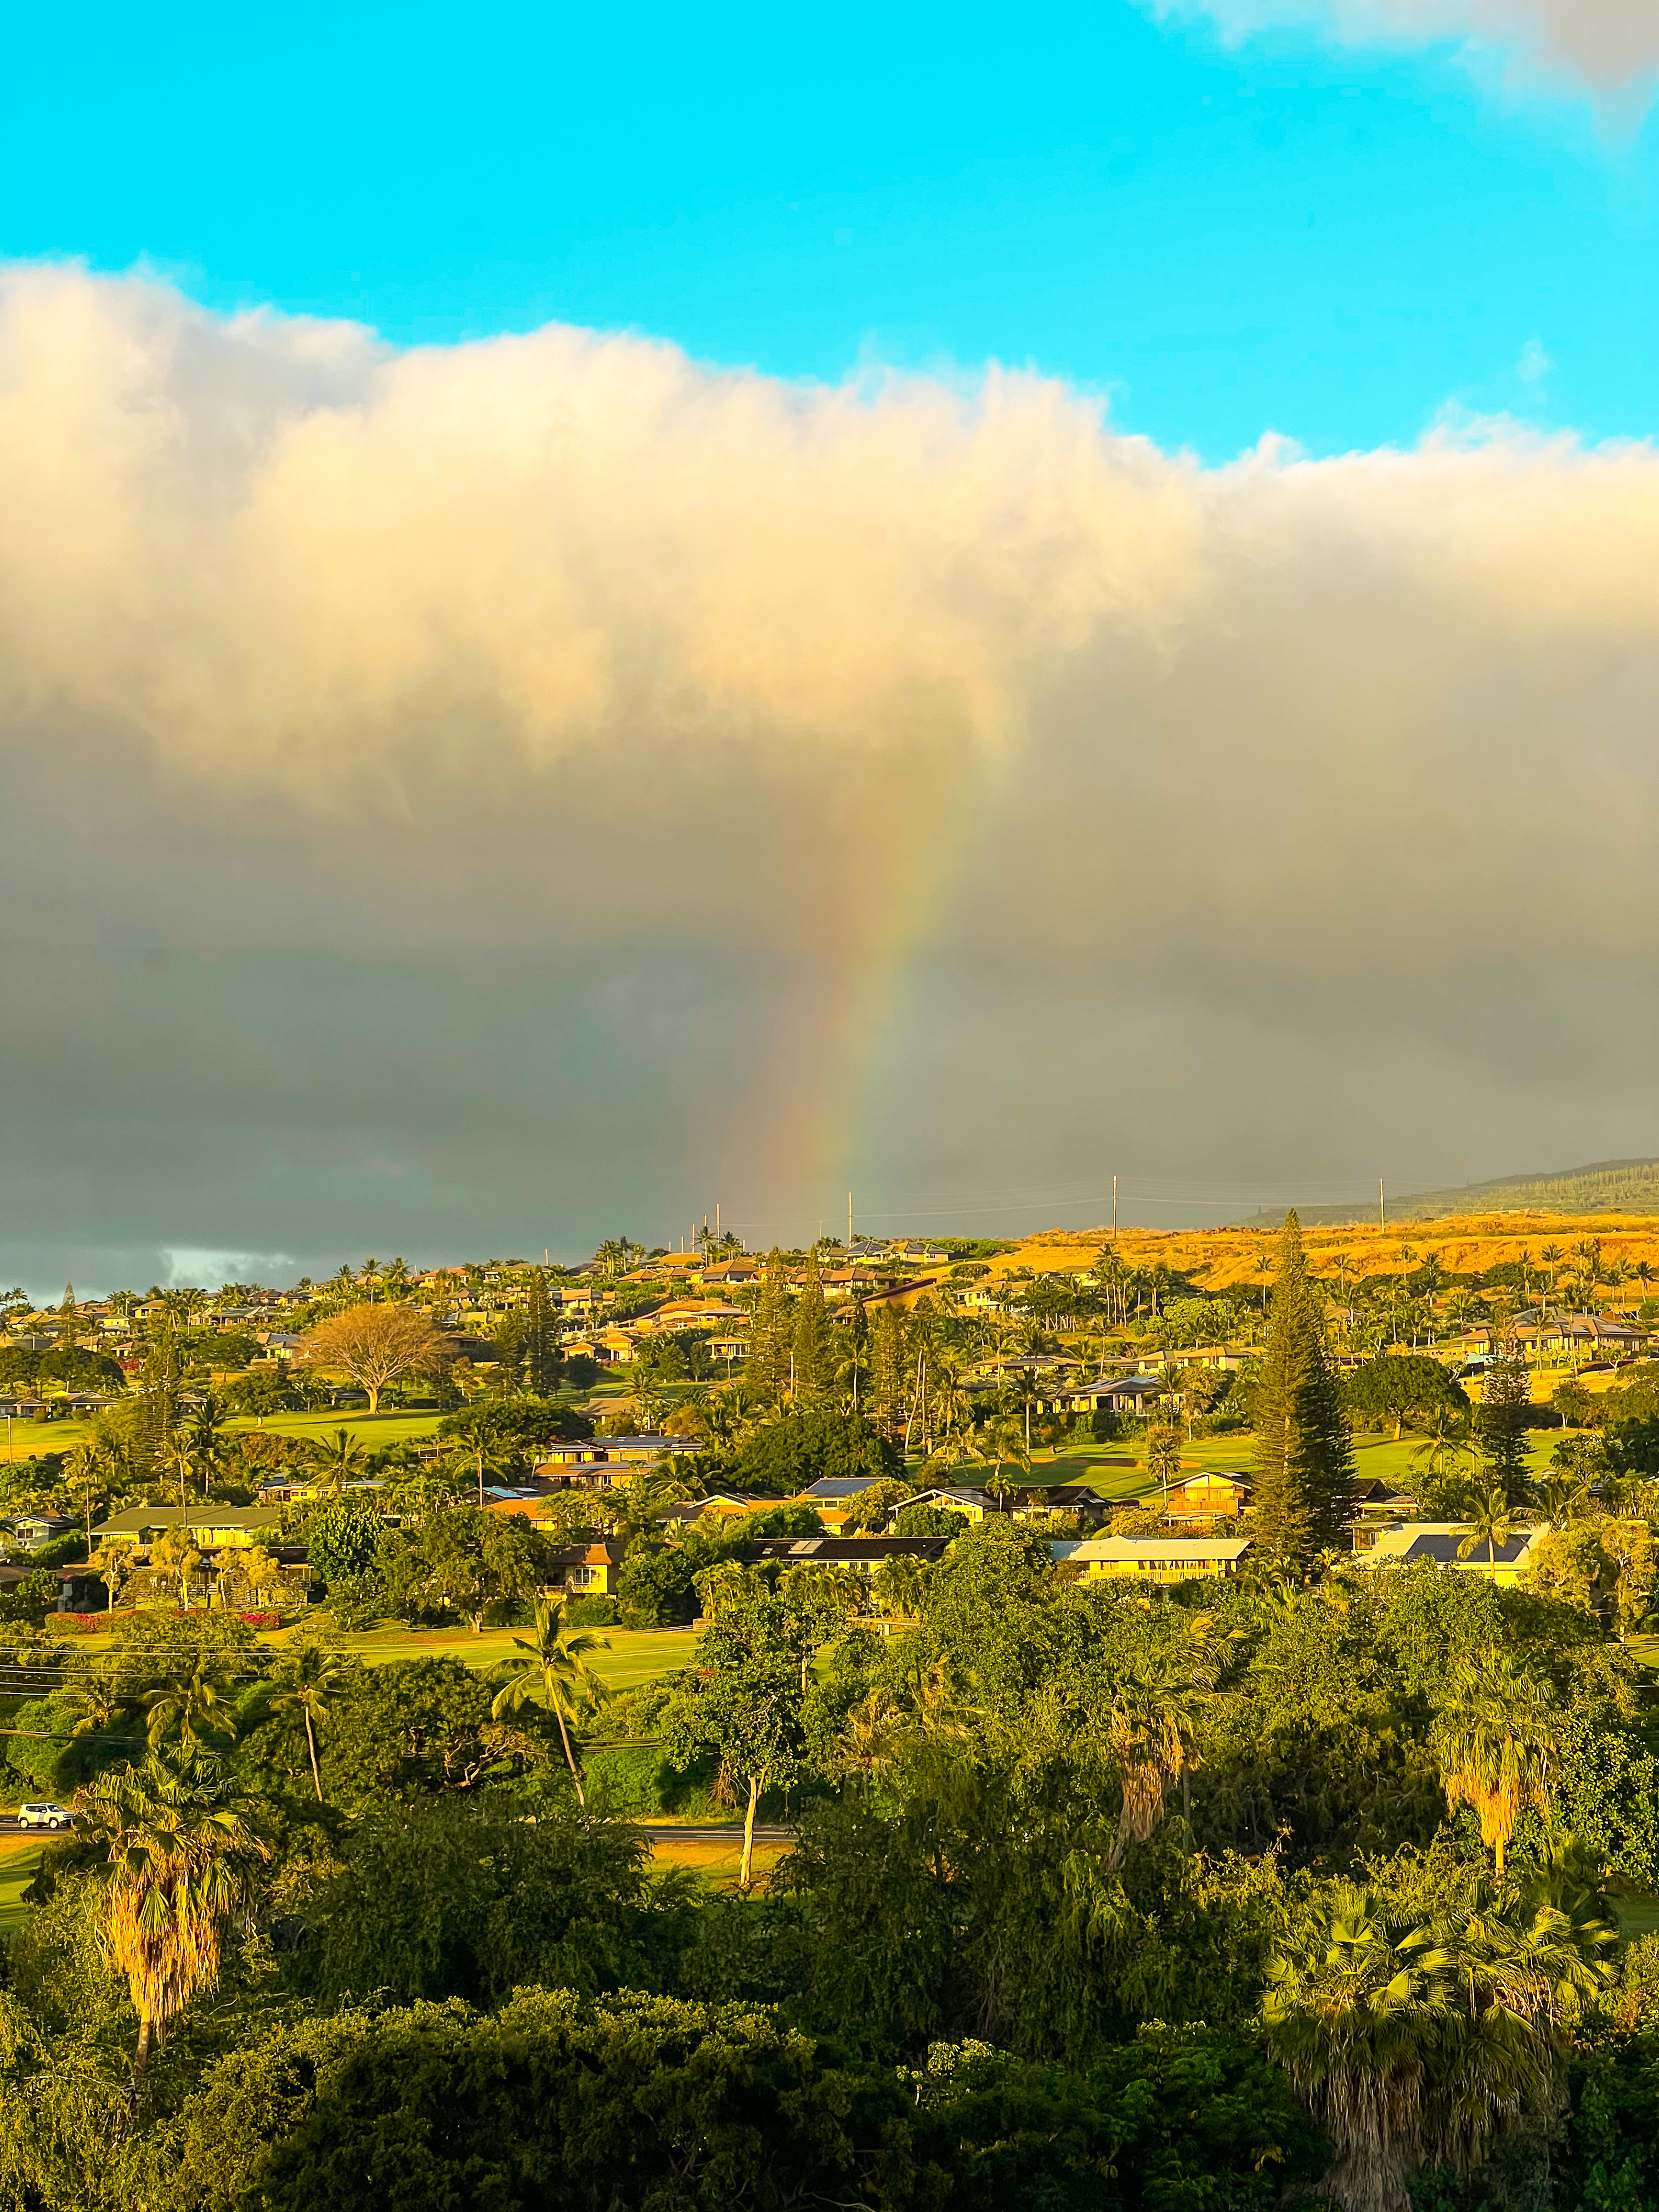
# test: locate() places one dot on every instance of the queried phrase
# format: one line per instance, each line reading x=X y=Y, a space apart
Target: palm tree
x=1564 y=1496
x=1446 y=1435
x=95 y=1704
x=558 y=1663
x=1354 y=2010
x=194 y=1707
x=338 y=1458
x=1412 y=2044
x=179 y=1868
x=306 y=1682
x=1163 y=1455
x=1004 y=1440
x=871 y=1735
x=1491 y=1522
x=1152 y=1727
x=1497 y=1740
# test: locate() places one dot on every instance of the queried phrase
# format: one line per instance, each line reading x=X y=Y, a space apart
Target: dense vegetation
x=1093 y=1903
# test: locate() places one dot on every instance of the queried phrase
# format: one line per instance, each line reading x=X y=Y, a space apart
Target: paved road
x=716 y=1834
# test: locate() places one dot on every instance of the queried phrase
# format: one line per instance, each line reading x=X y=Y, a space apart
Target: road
x=723 y=1833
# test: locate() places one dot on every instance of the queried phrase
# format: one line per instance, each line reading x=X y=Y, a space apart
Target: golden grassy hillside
x=1464 y=1245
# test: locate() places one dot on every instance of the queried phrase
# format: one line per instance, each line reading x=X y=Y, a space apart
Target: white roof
x=1161 y=1548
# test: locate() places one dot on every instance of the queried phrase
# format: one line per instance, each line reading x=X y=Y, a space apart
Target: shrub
x=592 y=1612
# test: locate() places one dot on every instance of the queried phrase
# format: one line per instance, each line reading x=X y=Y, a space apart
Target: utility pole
x=1115 y=1205
x=850 y=1221
x=1382 y=1216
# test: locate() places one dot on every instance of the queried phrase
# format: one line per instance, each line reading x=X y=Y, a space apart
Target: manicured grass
x=716 y=1862
x=1637 y=1916
x=19 y=1860
x=394 y=1428
x=632 y=1656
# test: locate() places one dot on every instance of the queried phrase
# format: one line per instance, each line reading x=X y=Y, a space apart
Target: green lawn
x=392 y=1428
x=19 y=1862
x=631 y=1655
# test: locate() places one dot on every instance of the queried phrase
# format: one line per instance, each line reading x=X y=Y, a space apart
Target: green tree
x=465 y=1898
x=307 y=1680
x=179 y=1867
x=889 y=1369
x=472 y=1560
x=343 y=1540
x=802 y=1444
x=338 y=1459
x=812 y=1349
x=1501 y=1417
x=1497 y=1738
x=1397 y=1386
x=1304 y=1461
x=1416 y=2038
x=743 y=1700
x=771 y=1331
x=197 y=1708
x=559 y=1664
x=1491 y=1524
x=541 y=1338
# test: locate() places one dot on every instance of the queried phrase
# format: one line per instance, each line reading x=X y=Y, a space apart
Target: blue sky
x=1284 y=235
x=485 y=797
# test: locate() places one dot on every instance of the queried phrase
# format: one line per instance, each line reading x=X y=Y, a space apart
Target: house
x=864 y=1553
x=1210 y=1495
x=1122 y=1393
x=1155 y=1559
x=1034 y=1498
x=575 y=1451
x=637 y=1451
x=32 y=1531
x=23 y=1405
x=210 y=1527
x=836 y=1488
x=284 y=1489
x=726 y=1505
x=972 y=1504
x=600 y=1463
x=1224 y=1358
x=1436 y=1543
x=590 y=1569
x=728 y=1274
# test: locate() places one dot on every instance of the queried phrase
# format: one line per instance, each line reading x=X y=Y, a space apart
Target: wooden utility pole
x=1113 y=1206
x=1382 y=1215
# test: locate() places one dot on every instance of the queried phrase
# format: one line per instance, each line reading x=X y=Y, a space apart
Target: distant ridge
x=1605 y=1187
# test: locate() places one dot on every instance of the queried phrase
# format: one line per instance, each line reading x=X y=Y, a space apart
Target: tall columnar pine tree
x=1304 y=1461
x=858 y=1365
x=1500 y=1421
x=541 y=1344
x=888 y=1364
x=771 y=1333
x=812 y=1347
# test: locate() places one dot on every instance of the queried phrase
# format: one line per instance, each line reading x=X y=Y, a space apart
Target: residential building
x=1155 y=1559
x=210 y=1527
x=1438 y=1543
x=1209 y=1496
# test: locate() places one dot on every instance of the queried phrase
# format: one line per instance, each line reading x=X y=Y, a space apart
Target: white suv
x=43 y=1816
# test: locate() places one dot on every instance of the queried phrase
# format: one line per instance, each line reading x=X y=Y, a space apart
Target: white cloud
x=188 y=1267
x=544 y=759
x=1606 y=44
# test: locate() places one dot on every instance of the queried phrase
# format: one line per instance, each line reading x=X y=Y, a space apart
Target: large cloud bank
x=1604 y=44
x=479 y=793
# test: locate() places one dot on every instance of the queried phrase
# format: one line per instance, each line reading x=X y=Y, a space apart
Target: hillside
x=1464 y=1243
x=1605 y=1187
